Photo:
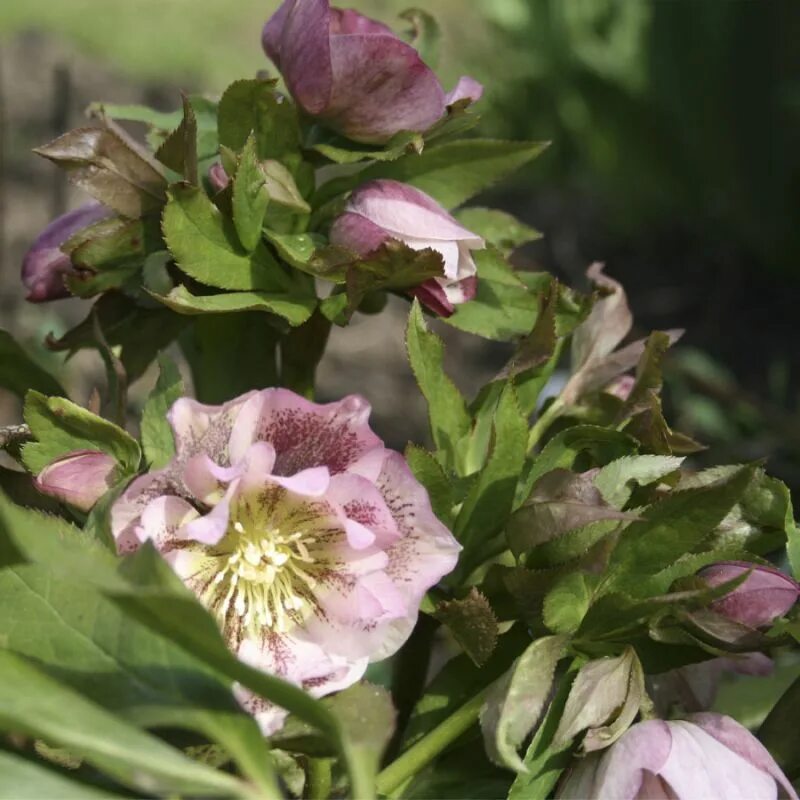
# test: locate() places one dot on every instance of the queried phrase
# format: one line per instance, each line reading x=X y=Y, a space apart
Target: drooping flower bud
x=708 y=756
x=45 y=265
x=310 y=542
x=354 y=74
x=766 y=593
x=80 y=478
x=382 y=210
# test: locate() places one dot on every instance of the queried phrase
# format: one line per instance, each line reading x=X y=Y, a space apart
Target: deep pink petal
x=433 y=296
x=466 y=88
x=80 y=478
x=357 y=233
x=218 y=177
x=273 y=31
x=380 y=86
x=346 y=20
x=44 y=265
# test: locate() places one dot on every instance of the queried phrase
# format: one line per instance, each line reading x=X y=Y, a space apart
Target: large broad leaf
x=516 y=702
x=157 y=440
x=19 y=372
x=451 y=172
x=206 y=247
x=617 y=480
x=447 y=411
x=35 y=704
x=499 y=228
x=110 y=167
x=60 y=427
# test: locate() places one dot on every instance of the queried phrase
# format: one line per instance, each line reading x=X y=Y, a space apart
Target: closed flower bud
x=707 y=756
x=45 y=265
x=766 y=593
x=354 y=74
x=382 y=210
x=80 y=478
x=217 y=177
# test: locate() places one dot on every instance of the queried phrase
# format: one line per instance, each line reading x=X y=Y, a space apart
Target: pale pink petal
x=361 y=502
x=206 y=480
x=210 y=528
x=218 y=177
x=466 y=88
x=129 y=506
x=312 y=482
x=739 y=740
x=407 y=212
x=80 y=478
x=447 y=250
x=162 y=519
x=358 y=535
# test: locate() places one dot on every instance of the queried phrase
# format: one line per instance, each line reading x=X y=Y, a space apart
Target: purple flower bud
x=45 y=265
x=218 y=177
x=80 y=478
x=354 y=73
x=704 y=756
x=767 y=593
x=621 y=387
x=382 y=210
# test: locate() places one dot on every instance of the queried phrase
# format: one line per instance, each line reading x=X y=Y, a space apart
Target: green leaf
x=250 y=197
x=486 y=508
x=567 y=602
x=674 y=526
x=503 y=307
x=515 y=703
x=499 y=228
x=301 y=351
x=472 y=623
x=344 y=151
x=293 y=307
x=617 y=479
x=157 y=441
x=35 y=704
x=447 y=411
x=428 y=471
x=62 y=427
x=205 y=245
x=24 y=779
x=254 y=106
x=778 y=733
x=111 y=167
x=179 y=150
x=451 y=172
x=282 y=187
x=19 y=372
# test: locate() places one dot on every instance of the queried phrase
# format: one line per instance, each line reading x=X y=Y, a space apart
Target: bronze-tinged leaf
x=111 y=167
x=179 y=150
x=473 y=624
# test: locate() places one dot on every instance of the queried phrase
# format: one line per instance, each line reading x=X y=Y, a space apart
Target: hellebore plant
x=237 y=590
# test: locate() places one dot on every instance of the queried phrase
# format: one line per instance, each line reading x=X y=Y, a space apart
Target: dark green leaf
x=157 y=441
x=19 y=372
x=428 y=471
x=472 y=623
x=617 y=479
x=778 y=733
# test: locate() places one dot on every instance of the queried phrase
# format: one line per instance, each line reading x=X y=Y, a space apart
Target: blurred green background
x=675 y=158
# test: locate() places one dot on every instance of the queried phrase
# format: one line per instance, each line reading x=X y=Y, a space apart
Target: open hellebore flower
x=310 y=541
x=707 y=756
x=354 y=74
x=80 y=478
x=766 y=593
x=45 y=265
x=381 y=210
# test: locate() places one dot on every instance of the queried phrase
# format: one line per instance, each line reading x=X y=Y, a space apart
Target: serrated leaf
x=428 y=471
x=294 y=308
x=515 y=703
x=567 y=602
x=62 y=427
x=19 y=372
x=109 y=166
x=205 y=245
x=616 y=480
x=472 y=623
x=179 y=150
x=499 y=228
x=344 y=151
x=447 y=411
x=250 y=197
x=157 y=440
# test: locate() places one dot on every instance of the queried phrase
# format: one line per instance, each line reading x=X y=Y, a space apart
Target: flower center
x=263 y=577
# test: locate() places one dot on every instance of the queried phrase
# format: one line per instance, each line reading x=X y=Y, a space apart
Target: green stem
x=426 y=749
x=318 y=773
x=541 y=425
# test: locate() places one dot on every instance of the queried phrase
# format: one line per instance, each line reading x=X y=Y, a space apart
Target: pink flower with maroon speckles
x=310 y=542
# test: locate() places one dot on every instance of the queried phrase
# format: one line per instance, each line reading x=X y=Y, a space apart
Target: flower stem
x=541 y=425
x=319 y=778
x=426 y=749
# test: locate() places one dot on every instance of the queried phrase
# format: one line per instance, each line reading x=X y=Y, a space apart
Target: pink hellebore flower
x=708 y=757
x=80 y=478
x=310 y=541
x=354 y=74
x=766 y=594
x=44 y=265
x=382 y=210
